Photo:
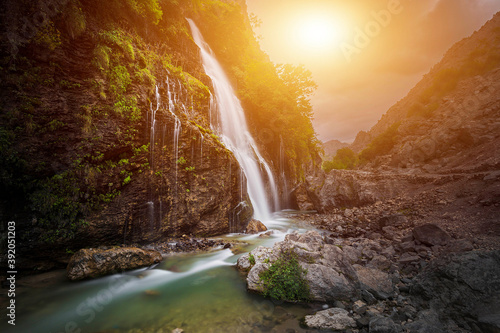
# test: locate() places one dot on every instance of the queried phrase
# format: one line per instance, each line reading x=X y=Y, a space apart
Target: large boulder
x=375 y=281
x=330 y=276
x=255 y=226
x=430 y=234
x=92 y=263
x=301 y=198
x=332 y=319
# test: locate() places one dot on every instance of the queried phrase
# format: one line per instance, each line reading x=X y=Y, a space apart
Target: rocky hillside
x=449 y=120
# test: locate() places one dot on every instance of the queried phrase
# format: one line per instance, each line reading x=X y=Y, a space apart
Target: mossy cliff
x=88 y=154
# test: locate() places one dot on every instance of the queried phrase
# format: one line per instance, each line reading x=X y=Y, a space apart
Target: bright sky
x=364 y=55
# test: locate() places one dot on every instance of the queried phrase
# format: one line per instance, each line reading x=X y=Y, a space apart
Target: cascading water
x=284 y=199
x=234 y=132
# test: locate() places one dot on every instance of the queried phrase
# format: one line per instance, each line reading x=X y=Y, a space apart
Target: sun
x=319 y=32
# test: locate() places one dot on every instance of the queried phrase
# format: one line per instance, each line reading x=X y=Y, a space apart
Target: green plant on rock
x=49 y=36
x=251 y=259
x=101 y=57
x=284 y=280
x=127 y=108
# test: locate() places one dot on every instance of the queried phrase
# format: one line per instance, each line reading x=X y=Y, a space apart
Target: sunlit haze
x=318 y=32
x=364 y=55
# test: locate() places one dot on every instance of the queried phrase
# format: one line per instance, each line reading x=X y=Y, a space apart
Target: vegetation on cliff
x=78 y=90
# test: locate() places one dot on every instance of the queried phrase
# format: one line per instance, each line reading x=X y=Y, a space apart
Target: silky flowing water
x=200 y=292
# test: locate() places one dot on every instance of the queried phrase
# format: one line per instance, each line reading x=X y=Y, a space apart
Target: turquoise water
x=200 y=292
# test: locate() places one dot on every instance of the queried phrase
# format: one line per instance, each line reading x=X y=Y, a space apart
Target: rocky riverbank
x=426 y=281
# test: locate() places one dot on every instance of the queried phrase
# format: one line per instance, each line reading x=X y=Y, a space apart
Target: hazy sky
x=364 y=55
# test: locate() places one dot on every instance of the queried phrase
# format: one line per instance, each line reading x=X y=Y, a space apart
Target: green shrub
x=344 y=159
x=127 y=108
x=148 y=9
x=119 y=80
x=284 y=280
x=381 y=145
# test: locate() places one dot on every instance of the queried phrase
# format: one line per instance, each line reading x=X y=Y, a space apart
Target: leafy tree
x=381 y=145
x=344 y=159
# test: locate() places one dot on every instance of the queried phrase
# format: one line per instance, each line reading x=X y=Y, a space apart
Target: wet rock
x=333 y=319
x=151 y=292
x=266 y=234
x=92 y=263
x=255 y=226
x=430 y=234
x=378 y=283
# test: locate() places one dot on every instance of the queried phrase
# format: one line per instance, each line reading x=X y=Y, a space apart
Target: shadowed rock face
x=463 y=287
x=92 y=263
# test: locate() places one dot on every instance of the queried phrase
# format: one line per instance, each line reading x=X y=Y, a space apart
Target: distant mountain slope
x=331 y=147
x=451 y=118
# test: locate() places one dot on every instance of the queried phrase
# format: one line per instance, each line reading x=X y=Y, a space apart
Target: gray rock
x=407 y=258
x=408 y=246
x=368 y=297
x=330 y=276
x=334 y=319
x=430 y=234
x=359 y=307
x=378 y=283
x=392 y=220
x=381 y=324
x=489 y=323
x=253 y=279
x=427 y=321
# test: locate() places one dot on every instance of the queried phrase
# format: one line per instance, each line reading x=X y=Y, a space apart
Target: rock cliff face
x=449 y=120
x=105 y=129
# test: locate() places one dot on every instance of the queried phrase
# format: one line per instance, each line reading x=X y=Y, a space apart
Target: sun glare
x=319 y=32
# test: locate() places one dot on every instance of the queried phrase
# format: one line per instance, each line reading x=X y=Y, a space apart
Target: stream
x=197 y=292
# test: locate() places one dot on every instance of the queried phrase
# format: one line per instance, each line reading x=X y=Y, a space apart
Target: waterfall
x=234 y=132
x=283 y=174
